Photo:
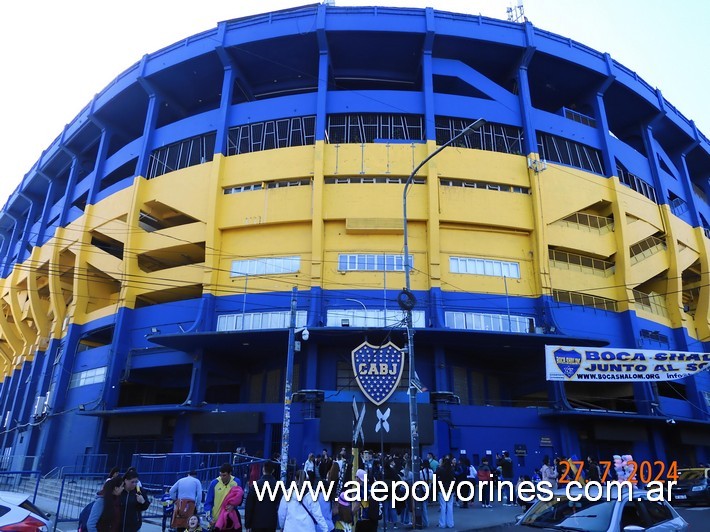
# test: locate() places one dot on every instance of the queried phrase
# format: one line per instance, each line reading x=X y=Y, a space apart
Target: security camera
x=305 y=335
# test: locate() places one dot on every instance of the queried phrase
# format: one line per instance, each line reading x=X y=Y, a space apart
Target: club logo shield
x=378 y=370
x=569 y=361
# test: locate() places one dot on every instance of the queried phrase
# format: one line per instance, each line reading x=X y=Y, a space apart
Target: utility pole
x=286 y=428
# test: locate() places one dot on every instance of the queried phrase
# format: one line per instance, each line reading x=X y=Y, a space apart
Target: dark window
x=357 y=129
x=183 y=154
x=489 y=137
x=271 y=134
x=564 y=151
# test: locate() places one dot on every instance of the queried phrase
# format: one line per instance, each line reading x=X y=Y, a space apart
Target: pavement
x=465 y=519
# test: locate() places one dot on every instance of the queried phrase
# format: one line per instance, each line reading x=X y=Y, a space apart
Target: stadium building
x=149 y=256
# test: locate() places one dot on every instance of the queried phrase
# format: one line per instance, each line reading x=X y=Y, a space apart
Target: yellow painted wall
x=318 y=221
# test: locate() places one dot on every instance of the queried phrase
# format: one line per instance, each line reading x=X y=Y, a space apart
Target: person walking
x=217 y=491
x=445 y=476
x=301 y=515
x=105 y=513
x=187 y=492
x=262 y=515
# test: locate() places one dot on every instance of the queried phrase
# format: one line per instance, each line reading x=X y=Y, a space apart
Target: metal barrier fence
x=21 y=482
x=18 y=462
x=76 y=490
x=180 y=462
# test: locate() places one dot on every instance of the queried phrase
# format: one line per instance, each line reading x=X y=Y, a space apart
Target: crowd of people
x=120 y=503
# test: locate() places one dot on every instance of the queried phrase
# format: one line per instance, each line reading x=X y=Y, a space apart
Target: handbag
x=184 y=509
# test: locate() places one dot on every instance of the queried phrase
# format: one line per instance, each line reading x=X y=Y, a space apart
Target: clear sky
x=57 y=55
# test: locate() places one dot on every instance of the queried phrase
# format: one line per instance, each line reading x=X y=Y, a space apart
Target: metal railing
x=646 y=248
x=579 y=117
x=20 y=482
x=602 y=224
x=586 y=300
x=76 y=490
x=562 y=259
x=652 y=303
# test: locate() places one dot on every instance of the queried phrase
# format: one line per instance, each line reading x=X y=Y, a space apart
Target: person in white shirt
x=303 y=515
x=310 y=467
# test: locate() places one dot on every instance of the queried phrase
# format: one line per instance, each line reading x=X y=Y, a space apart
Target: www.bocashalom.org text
x=465 y=491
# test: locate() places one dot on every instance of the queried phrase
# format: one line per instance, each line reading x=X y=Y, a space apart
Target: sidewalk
x=465 y=519
x=476 y=518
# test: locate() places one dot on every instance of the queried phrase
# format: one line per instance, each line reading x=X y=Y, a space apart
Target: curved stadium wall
x=149 y=255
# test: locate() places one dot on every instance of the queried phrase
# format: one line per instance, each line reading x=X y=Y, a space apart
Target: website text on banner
x=564 y=363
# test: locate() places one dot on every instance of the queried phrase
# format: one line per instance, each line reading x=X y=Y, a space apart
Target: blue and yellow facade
x=149 y=255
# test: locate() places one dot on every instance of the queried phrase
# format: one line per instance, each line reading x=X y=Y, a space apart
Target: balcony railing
x=572 y=261
x=652 y=303
x=589 y=222
x=579 y=117
x=645 y=248
x=587 y=300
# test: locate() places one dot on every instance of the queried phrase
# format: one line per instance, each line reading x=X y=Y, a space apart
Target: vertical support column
x=440 y=375
x=597 y=100
x=11 y=243
x=526 y=106
x=26 y=400
x=227 y=93
x=428 y=77
x=529 y=132
x=432 y=186
x=151 y=119
x=608 y=156
x=46 y=208
x=649 y=144
x=317 y=222
x=99 y=166
x=7 y=406
x=687 y=184
x=69 y=192
x=23 y=253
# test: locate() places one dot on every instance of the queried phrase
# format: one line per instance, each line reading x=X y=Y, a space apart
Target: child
x=193 y=525
x=343 y=514
x=168 y=506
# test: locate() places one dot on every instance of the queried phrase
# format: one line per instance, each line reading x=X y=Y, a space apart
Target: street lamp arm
x=473 y=126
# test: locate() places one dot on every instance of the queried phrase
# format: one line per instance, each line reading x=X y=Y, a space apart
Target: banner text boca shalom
x=605 y=361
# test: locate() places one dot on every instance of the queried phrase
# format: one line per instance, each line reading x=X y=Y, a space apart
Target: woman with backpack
x=106 y=512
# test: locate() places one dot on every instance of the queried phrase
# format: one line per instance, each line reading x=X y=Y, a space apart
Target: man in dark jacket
x=262 y=515
x=133 y=503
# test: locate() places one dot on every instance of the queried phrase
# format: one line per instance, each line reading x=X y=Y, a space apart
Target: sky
x=57 y=55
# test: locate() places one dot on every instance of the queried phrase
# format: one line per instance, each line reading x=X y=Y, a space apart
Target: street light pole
x=286 y=427
x=407 y=301
x=362 y=305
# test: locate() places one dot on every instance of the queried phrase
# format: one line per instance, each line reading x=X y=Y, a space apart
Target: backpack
x=484 y=475
x=84 y=517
